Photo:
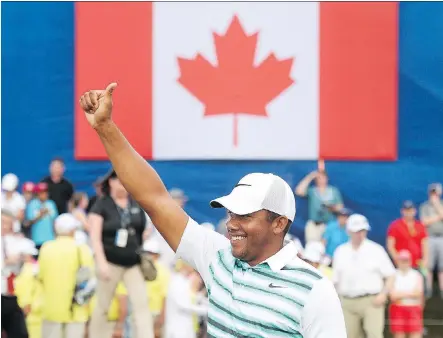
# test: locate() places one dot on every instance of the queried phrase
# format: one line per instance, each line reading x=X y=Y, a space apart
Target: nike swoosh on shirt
x=272 y=285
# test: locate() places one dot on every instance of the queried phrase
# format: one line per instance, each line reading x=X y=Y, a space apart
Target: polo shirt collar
x=283 y=257
x=275 y=262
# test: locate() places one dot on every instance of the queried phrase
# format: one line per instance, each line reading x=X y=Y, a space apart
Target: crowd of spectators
x=56 y=239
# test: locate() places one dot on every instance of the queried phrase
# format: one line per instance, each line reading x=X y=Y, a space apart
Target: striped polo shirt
x=281 y=297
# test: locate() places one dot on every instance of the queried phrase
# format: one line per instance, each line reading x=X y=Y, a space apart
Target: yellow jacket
x=29 y=292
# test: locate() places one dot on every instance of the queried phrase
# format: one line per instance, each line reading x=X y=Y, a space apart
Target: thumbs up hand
x=97 y=105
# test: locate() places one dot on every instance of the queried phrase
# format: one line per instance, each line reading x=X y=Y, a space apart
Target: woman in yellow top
x=59 y=262
x=28 y=290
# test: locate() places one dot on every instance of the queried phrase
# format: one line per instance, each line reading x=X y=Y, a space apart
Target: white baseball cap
x=27 y=247
x=9 y=182
x=66 y=223
x=357 y=222
x=259 y=191
x=313 y=252
x=151 y=245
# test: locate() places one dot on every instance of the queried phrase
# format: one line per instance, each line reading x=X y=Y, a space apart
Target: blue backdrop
x=37 y=119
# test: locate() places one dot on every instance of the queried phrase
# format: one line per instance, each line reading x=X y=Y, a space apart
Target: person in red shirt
x=408 y=233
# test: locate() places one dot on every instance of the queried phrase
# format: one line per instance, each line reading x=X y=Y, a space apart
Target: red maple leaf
x=235 y=85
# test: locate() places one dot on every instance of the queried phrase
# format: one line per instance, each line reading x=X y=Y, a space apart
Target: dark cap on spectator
x=435 y=187
x=41 y=187
x=110 y=174
x=28 y=187
x=408 y=204
x=104 y=180
x=344 y=212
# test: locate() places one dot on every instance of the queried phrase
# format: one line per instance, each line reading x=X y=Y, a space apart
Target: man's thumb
x=110 y=88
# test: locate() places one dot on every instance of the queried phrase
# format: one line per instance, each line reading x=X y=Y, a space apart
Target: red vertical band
x=113 y=42
x=358 y=80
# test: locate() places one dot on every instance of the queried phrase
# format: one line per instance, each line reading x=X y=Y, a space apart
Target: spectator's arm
x=21 y=212
x=70 y=191
x=425 y=252
x=387 y=270
x=326 y=236
x=33 y=215
x=95 y=222
x=144 y=184
x=419 y=289
x=390 y=244
x=82 y=218
x=428 y=219
x=183 y=301
x=21 y=215
x=338 y=201
x=302 y=188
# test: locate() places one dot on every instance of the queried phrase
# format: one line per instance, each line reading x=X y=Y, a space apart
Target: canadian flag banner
x=227 y=80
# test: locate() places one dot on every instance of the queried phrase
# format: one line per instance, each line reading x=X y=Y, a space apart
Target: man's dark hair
x=272 y=216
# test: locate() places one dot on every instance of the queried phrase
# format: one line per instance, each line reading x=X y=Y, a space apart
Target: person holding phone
x=40 y=214
x=324 y=201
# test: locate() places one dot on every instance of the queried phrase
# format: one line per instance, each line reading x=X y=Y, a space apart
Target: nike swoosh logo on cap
x=272 y=285
x=243 y=184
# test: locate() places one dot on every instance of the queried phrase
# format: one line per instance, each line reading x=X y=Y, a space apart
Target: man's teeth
x=238 y=238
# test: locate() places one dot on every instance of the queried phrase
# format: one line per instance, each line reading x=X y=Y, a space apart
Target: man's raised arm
x=136 y=175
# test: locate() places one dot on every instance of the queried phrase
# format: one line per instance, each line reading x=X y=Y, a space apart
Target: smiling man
x=256 y=286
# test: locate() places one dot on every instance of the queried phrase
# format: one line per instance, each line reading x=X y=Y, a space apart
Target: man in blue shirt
x=41 y=213
x=335 y=233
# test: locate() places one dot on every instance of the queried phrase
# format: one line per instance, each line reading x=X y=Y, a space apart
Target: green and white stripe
x=242 y=304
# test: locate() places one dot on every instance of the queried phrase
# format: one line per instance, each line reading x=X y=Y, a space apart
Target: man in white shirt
x=12 y=200
x=13 y=320
x=180 y=307
x=257 y=287
x=363 y=275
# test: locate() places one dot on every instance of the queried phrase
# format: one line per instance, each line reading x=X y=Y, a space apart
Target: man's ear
x=279 y=225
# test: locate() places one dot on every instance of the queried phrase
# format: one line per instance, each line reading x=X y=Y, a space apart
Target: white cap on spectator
x=9 y=182
x=151 y=245
x=259 y=191
x=64 y=224
x=27 y=247
x=313 y=252
x=357 y=222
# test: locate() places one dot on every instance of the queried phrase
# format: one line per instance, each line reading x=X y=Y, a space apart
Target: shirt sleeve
x=387 y=269
x=391 y=230
x=97 y=208
x=21 y=204
x=424 y=211
x=198 y=247
x=29 y=212
x=336 y=260
x=327 y=232
x=423 y=231
x=322 y=315
x=338 y=199
x=53 y=210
